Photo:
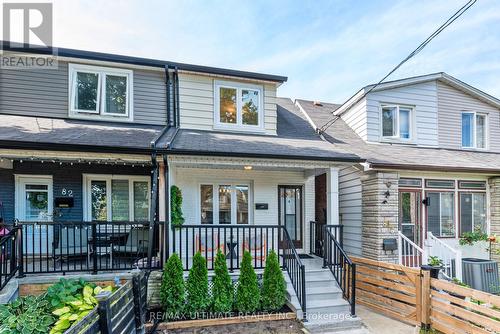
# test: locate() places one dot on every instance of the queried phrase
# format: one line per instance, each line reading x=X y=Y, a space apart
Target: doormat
x=305 y=256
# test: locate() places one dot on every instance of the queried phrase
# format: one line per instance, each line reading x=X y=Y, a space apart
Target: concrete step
x=329 y=306
x=323 y=293
x=347 y=324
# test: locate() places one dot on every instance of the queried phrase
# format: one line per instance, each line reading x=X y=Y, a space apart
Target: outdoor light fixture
x=247 y=167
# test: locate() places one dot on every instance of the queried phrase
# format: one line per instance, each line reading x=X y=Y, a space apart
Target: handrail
x=440 y=249
x=409 y=253
x=296 y=271
x=8 y=257
x=342 y=268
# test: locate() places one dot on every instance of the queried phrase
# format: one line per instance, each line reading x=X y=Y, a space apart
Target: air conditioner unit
x=481 y=274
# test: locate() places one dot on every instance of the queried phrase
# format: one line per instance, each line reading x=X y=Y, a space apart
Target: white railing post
x=400 y=249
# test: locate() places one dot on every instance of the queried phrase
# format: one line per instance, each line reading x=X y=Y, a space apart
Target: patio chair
x=204 y=246
x=137 y=243
x=257 y=246
x=70 y=241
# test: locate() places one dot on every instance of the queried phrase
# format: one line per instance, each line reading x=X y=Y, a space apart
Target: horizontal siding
x=355 y=117
x=196 y=100
x=265 y=190
x=451 y=103
x=422 y=96
x=44 y=92
x=350 y=208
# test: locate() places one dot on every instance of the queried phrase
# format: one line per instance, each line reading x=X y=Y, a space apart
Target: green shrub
x=247 y=293
x=198 y=299
x=26 y=315
x=273 y=294
x=172 y=290
x=222 y=287
x=176 y=206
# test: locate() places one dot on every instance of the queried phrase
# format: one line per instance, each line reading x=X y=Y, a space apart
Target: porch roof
x=399 y=156
x=295 y=139
x=48 y=133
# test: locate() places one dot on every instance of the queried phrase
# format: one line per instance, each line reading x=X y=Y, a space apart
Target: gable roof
x=100 y=56
x=440 y=76
x=398 y=156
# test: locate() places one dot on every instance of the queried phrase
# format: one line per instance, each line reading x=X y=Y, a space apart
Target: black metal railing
x=341 y=266
x=50 y=247
x=233 y=241
x=8 y=257
x=317 y=236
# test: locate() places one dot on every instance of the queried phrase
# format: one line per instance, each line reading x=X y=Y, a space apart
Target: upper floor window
x=473 y=130
x=397 y=122
x=100 y=92
x=238 y=106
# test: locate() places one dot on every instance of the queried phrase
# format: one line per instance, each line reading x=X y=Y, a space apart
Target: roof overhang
x=447 y=169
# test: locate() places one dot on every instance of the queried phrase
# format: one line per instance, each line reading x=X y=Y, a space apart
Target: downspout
x=176 y=96
x=154 y=201
x=167 y=92
x=166 y=227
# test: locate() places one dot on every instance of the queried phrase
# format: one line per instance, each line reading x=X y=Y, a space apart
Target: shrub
x=222 y=287
x=197 y=286
x=247 y=293
x=172 y=290
x=273 y=295
x=26 y=315
x=176 y=206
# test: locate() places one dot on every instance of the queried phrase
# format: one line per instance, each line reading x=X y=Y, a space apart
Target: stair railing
x=341 y=266
x=452 y=258
x=409 y=253
x=295 y=268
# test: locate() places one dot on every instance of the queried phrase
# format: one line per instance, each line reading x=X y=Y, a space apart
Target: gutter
x=433 y=168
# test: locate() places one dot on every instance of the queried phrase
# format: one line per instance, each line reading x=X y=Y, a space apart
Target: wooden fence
x=410 y=295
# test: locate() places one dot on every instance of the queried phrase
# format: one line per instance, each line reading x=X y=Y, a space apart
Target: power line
x=422 y=45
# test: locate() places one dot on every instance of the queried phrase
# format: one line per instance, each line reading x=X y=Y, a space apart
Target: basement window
x=100 y=93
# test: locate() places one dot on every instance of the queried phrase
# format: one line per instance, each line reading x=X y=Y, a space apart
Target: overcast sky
x=328 y=49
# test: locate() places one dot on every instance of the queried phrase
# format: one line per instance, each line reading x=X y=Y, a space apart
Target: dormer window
x=473 y=130
x=238 y=106
x=397 y=122
x=100 y=93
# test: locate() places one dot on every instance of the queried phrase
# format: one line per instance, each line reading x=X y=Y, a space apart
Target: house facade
x=431 y=171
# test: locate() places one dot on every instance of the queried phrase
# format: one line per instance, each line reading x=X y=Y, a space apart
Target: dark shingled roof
x=295 y=139
x=398 y=155
x=23 y=129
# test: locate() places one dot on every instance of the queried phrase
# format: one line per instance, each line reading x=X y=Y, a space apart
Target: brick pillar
x=380 y=214
x=494 y=185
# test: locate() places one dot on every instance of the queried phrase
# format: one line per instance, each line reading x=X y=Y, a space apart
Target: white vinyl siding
x=350 y=194
x=356 y=118
x=196 y=100
x=452 y=103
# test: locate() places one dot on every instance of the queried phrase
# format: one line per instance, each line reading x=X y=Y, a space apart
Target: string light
x=72 y=162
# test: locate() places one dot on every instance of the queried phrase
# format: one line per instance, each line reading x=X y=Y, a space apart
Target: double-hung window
x=224 y=203
x=116 y=198
x=100 y=92
x=397 y=122
x=238 y=106
x=473 y=130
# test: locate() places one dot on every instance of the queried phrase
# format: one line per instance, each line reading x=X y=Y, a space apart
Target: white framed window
x=238 y=106
x=116 y=197
x=397 y=122
x=474 y=130
x=100 y=93
x=224 y=203
x=473 y=212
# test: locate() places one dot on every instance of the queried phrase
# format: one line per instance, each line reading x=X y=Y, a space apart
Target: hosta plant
x=26 y=315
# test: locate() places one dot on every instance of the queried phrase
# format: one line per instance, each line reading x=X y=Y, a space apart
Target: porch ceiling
x=256 y=164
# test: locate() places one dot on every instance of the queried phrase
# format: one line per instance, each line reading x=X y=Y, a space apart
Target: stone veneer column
x=494 y=185
x=380 y=219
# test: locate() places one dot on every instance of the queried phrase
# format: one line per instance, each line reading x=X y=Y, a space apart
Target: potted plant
x=434 y=265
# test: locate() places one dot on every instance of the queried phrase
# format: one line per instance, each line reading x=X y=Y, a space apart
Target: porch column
x=332 y=196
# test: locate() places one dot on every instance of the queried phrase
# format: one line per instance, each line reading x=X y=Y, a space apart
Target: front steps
x=327 y=311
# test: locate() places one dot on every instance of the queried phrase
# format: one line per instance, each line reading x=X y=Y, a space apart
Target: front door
x=409 y=215
x=290 y=212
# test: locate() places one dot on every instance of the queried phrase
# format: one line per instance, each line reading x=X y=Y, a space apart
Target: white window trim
x=474 y=130
x=88 y=178
x=215 y=202
x=100 y=113
x=396 y=137
x=238 y=126
x=19 y=193
x=472 y=193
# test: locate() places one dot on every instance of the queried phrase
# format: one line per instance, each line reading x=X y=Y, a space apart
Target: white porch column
x=332 y=196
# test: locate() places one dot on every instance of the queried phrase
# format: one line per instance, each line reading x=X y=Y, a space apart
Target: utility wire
x=422 y=45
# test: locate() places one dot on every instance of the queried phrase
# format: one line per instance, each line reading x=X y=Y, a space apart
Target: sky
x=327 y=49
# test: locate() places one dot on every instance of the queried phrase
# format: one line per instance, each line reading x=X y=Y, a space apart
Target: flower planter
x=434 y=271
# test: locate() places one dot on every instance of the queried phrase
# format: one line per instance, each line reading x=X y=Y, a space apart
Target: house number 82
x=67 y=192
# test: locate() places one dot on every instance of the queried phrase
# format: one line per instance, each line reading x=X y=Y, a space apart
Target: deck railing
x=8 y=258
x=233 y=241
x=53 y=247
x=341 y=266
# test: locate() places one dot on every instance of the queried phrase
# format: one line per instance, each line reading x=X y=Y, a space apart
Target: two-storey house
x=432 y=169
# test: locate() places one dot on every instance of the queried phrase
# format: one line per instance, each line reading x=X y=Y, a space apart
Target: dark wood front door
x=290 y=204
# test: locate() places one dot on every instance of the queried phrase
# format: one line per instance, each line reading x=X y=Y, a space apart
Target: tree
x=172 y=290
x=247 y=293
x=197 y=286
x=273 y=294
x=222 y=287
